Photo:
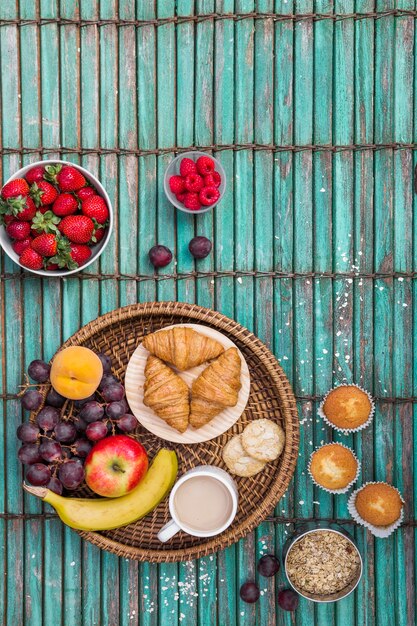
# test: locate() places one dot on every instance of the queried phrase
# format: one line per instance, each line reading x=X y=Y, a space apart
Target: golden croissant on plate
x=182 y=346
x=216 y=388
x=166 y=394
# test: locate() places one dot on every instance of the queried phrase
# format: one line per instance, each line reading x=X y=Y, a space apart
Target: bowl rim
x=169 y=194
x=62 y=273
x=342 y=533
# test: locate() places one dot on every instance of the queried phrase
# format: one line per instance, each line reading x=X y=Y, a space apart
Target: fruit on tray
x=183 y=347
x=115 y=465
x=197 y=183
x=166 y=394
x=200 y=247
x=160 y=256
x=108 y=513
x=216 y=388
x=64 y=431
x=76 y=372
x=53 y=217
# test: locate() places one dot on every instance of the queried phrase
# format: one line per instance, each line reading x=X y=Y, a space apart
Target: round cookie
x=238 y=461
x=263 y=440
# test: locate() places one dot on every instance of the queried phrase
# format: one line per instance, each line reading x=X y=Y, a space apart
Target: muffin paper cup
x=378 y=531
x=347 y=431
x=352 y=482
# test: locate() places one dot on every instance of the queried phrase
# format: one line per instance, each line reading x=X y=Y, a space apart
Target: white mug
x=175 y=525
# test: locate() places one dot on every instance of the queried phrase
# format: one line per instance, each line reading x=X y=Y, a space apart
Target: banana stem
x=40 y=492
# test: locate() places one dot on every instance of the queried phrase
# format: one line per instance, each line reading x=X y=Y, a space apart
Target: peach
x=76 y=372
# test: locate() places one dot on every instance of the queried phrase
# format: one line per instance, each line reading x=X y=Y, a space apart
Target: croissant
x=216 y=388
x=183 y=347
x=166 y=394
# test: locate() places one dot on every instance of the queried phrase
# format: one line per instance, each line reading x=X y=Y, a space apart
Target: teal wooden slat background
x=314 y=249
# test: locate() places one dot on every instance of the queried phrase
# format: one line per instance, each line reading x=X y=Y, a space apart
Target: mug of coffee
x=203 y=503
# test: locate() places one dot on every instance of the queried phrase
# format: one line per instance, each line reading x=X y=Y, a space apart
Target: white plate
x=135 y=378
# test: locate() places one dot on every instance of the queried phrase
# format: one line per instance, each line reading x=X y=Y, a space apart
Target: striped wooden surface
x=312 y=114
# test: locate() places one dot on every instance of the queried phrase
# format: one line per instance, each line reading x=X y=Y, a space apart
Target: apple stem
x=118 y=469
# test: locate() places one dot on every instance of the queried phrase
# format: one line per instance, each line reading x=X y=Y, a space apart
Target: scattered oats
x=322 y=190
x=381 y=288
x=285 y=358
x=239 y=280
x=323 y=562
x=325 y=351
x=212 y=282
x=72 y=563
x=400 y=279
x=316 y=502
x=404 y=304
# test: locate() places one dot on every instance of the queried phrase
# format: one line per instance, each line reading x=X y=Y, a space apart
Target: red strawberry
x=209 y=195
x=65 y=204
x=78 y=228
x=96 y=208
x=176 y=184
x=205 y=165
x=80 y=254
x=98 y=235
x=23 y=208
x=18 y=230
x=44 y=209
x=52 y=266
x=45 y=245
x=212 y=180
x=43 y=193
x=85 y=193
x=187 y=166
x=7 y=219
x=193 y=182
x=45 y=222
x=19 y=246
x=31 y=259
x=35 y=174
x=15 y=188
x=70 y=179
x=191 y=201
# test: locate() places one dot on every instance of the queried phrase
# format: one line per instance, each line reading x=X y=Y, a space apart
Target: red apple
x=115 y=465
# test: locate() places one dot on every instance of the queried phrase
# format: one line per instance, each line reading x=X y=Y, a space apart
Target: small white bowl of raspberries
x=55 y=218
x=195 y=182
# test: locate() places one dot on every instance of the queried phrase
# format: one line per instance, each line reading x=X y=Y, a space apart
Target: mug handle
x=169 y=530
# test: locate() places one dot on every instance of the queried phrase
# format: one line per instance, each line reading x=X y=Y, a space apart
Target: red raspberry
x=212 y=180
x=209 y=195
x=205 y=165
x=191 y=201
x=193 y=182
x=180 y=196
x=176 y=184
x=187 y=166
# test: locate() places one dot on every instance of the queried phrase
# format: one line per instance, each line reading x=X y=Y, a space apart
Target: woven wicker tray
x=118 y=333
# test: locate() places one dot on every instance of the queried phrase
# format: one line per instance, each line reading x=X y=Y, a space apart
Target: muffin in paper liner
x=382 y=532
x=347 y=431
x=352 y=482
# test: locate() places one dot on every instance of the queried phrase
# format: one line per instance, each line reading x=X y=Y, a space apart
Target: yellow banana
x=106 y=513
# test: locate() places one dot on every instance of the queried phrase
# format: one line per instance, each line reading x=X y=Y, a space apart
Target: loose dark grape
x=48 y=418
x=96 y=431
x=39 y=474
x=268 y=565
x=127 y=423
x=65 y=432
x=160 y=256
x=29 y=454
x=82 y=447
x=71 y=474
x=39 y=370
x=288 y=599
x=28 y=432
x=55 y=399
x=80 y=424
x=249 y=592
x=200 y=247
x=80 y=403
x=50 y=451
x=92 y=412
x=105 y=361
x=107 y=379
x=114 y=410
x=55 y=485
x=32 y=400
x=113 y=392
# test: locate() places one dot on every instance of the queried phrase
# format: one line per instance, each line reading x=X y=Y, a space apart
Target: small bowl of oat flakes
x=322 y=564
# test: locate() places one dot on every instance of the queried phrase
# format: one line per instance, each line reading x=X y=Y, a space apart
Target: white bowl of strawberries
x=195 y=182
x=55 y=218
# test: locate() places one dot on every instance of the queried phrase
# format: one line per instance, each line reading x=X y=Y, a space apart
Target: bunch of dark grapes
x=55 y=446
